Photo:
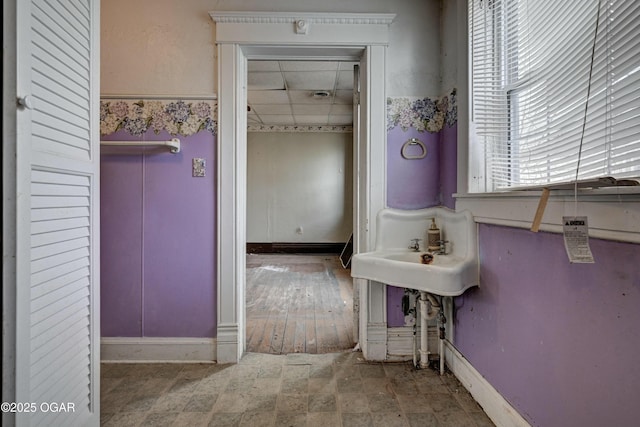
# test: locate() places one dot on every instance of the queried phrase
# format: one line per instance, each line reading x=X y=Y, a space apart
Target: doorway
x=244 y=36
x=299 y=205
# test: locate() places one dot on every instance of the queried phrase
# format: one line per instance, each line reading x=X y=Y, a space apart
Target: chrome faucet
x=415 y=245
x=442 y=250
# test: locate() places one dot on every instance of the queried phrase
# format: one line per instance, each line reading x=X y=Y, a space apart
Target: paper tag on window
x=576 y=239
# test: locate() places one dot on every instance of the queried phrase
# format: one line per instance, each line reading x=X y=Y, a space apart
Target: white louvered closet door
x=57 y=270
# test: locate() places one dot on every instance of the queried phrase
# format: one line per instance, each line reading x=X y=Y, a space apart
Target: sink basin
x=394 y=264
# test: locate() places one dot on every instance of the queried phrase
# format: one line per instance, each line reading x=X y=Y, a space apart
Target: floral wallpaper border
x=185 y=118
x=176 y=117
x=422 y=114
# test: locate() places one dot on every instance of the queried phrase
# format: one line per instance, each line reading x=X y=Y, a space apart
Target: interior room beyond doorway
x=298 y=303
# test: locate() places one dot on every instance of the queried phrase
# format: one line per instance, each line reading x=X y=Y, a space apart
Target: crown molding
x=297 y=129
x=291 y=17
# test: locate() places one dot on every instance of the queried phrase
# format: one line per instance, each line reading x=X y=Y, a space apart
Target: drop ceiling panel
x=306 y=97
x=311 y=120
x=341 y=120
x=347 y=66
x=264 y=66
x=266 y=109
x=308 y=66
x=266 y=81
x=345 y=80
x=310 y=109
x=312 y=80
x=343 y=97
x=277 y=119
x=267 y=97
x=290 y=92
x=342 y=109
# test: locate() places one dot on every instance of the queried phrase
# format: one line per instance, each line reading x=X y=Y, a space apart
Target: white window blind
x=531 y=71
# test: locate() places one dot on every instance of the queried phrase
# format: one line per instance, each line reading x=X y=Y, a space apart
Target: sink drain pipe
x=425 y=316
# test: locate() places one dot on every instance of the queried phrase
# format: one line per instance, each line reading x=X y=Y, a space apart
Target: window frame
x=613 y=213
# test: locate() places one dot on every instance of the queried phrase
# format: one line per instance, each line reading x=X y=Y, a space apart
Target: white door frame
x=311 y=36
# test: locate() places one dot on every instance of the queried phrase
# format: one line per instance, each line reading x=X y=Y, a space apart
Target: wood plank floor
x=298 y=304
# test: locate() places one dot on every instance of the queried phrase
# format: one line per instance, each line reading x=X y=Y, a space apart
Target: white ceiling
x=300 y=93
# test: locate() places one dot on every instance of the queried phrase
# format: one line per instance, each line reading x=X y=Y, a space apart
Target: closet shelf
x=173 y=144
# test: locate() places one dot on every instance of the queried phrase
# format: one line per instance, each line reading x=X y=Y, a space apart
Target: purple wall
x=412 y=184
x=158 y=240
x=448 y=165
x=559 y=341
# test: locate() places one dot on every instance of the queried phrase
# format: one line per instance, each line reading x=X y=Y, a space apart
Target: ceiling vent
x=321 y=94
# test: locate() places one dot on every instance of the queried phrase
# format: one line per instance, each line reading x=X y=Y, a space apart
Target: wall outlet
x=199 y=166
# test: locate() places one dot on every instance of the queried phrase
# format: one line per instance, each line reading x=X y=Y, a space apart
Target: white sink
x=393 y=263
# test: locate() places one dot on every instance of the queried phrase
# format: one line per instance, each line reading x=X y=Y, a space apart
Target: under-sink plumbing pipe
x=441 y=320
x=425 y=316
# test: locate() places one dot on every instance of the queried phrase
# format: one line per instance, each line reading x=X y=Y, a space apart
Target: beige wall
x=299 y=187
x=167 y=47
x=157 y=47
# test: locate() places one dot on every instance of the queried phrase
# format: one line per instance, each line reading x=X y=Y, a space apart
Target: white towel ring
x=414 y=141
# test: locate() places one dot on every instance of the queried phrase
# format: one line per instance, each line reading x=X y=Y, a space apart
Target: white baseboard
x=166 y=350
x=376 y=348
x=400 y=342
x=494 y=405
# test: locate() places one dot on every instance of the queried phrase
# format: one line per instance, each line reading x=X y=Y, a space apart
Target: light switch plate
x=199 y=166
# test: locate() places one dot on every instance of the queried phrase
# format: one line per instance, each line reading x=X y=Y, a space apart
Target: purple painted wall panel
x=121 y=245
x=171 y=238
x=412 y=184
x=449 y=164
x=395 y=316
x=559 y=341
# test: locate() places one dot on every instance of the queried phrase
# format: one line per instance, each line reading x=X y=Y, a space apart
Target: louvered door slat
x=41 y=367
x=59 y=294
x=55 y=123
x=61 y=270
x=42 y=227
x=58 y=282
x=58 y=99
x=52 y=202
x=65 y=75
x=66 y=21
x=45 y=314
x=69 y=245
x=43 y=343
x=57 y=350
x=60 y=376
x=59 y=247
x=40 y=189
x=60 y=259
x=44 y=134
x=47 y=177
x=58 y=325
x=59 y=212
x=83 y=8
x=73 y=50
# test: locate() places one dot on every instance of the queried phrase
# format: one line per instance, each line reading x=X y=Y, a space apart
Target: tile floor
x=338 y=389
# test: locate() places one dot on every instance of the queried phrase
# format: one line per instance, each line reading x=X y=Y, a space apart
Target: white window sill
x=613 y=213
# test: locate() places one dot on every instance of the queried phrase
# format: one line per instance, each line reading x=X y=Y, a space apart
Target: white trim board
x=613 y=214
x=148 y=350
x=494 y=405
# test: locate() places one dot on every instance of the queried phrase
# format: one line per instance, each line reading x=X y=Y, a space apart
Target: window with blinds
x=536 y=66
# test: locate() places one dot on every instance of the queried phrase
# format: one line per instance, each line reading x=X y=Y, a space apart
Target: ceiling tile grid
x=300 y=92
